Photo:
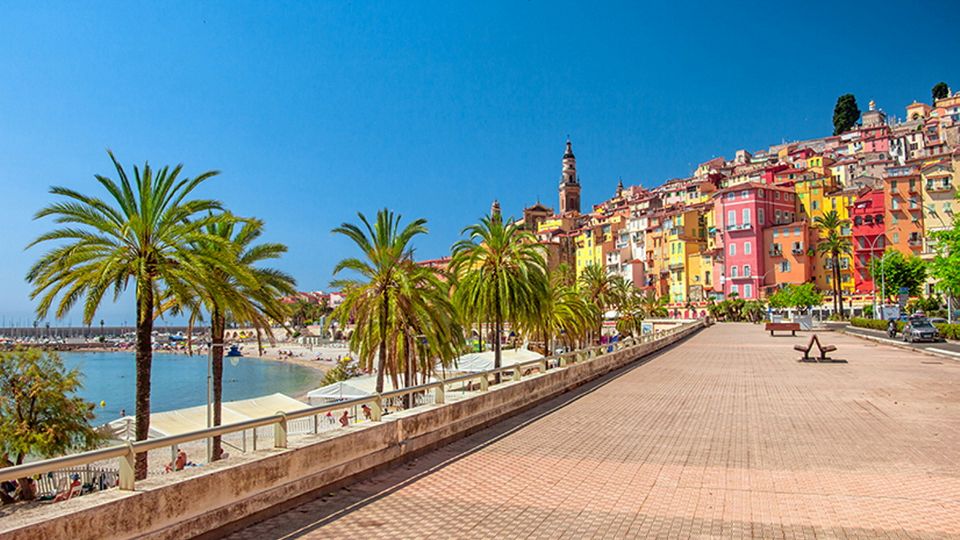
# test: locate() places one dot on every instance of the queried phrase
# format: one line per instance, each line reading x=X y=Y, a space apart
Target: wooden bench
x=824 y=349
x=792 y=327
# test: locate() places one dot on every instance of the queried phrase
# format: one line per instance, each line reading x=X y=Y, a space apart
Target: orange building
x=903 y=205
x=787 y=258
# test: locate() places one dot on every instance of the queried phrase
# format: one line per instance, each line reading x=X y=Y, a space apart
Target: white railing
x=378 y=405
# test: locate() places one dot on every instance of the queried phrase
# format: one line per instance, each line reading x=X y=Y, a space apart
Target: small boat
x=234 y=351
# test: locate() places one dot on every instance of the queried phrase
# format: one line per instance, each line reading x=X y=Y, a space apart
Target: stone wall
x=197 y=501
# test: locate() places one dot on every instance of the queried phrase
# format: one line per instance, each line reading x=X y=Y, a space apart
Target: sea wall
x=206 y=499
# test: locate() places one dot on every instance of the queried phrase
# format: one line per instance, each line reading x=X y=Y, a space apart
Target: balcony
x=776 y=253
x=676 y=266
x=797 y=251
x=740 y=227
x=915 y=241
x=939 y=186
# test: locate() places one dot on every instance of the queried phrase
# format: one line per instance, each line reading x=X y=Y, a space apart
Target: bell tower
x=569 y=183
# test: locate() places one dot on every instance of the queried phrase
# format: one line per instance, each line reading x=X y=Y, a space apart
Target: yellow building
x=685 y=240
x=589 y=247
x=938 y=187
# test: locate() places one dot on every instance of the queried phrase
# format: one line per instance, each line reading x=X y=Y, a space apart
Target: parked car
x=920 y=329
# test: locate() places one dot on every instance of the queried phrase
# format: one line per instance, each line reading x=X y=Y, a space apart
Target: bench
x=792 y=327
x=824 y=349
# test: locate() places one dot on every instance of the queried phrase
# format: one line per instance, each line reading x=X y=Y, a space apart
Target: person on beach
x=345 y=419
x=366 y=411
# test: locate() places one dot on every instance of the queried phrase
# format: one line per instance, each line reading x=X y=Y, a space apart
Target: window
x=733 y=249
x=746 y=216
x=895 y=204
x=734 y=289
x=731 y=218
x=785 y=266
x=760 y=193
x=734 y=271
x=746 y=270
x=776 y=216
x=896 y=238
x=776 y=195
x=744 y=194
x=760 y=216
x=947 y=208
x=895 y=219
x=748 y=291
x=747 y=248
x=815 y=205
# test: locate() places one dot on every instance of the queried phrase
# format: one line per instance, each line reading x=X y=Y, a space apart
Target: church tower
x=569 y=183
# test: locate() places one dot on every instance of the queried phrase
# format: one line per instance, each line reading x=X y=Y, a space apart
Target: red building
x=869 y=240
x=745 y=211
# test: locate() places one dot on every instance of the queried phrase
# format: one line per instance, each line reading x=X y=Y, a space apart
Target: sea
x=180 y=381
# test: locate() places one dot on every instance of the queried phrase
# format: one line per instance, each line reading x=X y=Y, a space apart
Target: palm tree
x=832 y=245
x=564 y=313
x=241 y=291
x=381 y=276
x=500 y=276
x=146 y=236
x=598 y=287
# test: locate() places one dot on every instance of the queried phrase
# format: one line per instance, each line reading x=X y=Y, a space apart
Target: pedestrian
x=345 y=419
x=366 y=411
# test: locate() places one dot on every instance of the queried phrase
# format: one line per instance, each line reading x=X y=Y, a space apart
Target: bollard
x=280 y=431
x=376 y=412
x=438 y=394
x=127 y=465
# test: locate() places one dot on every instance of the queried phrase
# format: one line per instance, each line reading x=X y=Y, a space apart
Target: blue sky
x=314 y=111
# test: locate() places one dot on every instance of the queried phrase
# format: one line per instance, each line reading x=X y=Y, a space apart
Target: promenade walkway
x=725 y=435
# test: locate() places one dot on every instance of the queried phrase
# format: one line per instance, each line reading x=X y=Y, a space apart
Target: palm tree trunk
x=407 y=370
x=838 y=303
x=382 y=352
x=217 y=329
x=144 y=362
x=497 y=332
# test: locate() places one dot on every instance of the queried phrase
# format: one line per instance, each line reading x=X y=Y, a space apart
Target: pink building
x=869 y=239
x=743 y=212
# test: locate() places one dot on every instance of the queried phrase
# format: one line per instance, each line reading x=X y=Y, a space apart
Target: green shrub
x=875 y=324
x=949 y=331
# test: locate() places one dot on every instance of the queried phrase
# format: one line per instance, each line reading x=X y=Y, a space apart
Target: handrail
x=125 y=452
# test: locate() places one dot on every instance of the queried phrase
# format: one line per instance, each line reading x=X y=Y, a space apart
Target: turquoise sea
x=180 y=381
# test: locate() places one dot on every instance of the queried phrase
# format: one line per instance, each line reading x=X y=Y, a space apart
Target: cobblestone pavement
x=726 y=435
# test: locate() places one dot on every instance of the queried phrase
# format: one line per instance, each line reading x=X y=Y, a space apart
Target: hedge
x=948 y=331
x=875 y=324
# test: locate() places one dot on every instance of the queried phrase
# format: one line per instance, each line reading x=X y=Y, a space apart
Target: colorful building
x=869 y=237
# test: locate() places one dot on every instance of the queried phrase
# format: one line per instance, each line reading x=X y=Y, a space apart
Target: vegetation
x=846 y=113
x=833 y=244
x=897 y=271
x=144 y=235
x=875 y=324
x=241 y=291
x=346 y=368
x=392 y=301
x=802 y=297
x=304 y=312
x=40 y=413
x=599 y=289
x=499 y=276
x=940 y=91
x=563 y=315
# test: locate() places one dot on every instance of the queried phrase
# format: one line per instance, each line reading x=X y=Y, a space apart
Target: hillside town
x=749 y=225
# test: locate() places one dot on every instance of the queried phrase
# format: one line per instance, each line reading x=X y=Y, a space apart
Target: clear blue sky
x=315 y=110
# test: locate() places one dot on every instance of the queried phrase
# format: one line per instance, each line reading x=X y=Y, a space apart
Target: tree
x=940 y=91
x=945 y=266
x=500 y=276
x=598 y=288
x=563 y=314
x=145 y=237
x=241 y=290
x=897 y=272
x=40 y=413
x=369 y=297
x=801 y=297
x=833 y=245
x=845 y=113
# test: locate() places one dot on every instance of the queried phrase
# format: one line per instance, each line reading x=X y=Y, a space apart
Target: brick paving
x=723 y=436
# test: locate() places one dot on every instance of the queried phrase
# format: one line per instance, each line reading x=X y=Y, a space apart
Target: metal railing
x=424 y=394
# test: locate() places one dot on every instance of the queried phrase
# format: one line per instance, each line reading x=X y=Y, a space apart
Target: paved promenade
x=724 y=436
